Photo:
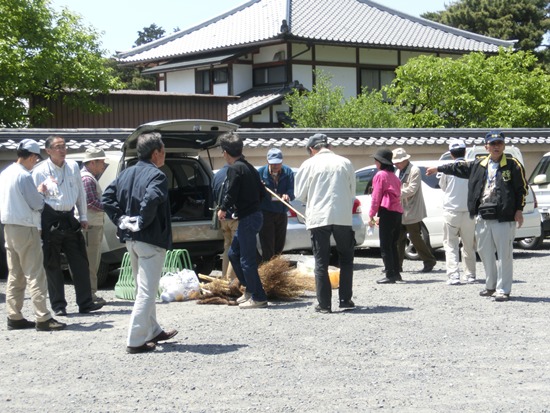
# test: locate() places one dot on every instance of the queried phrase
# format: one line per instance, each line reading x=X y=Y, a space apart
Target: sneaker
x=323 y=310
x=61 y=312
x=487 y=293
x=251 y=303
x=22 y=324
x=347 y=305
x=50 y=325
x=471 y=280
x=502 y=297
x=244 y=298
x=453 y=281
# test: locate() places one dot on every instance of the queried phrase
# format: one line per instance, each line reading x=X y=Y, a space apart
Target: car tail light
x=356 y=207
x=291 y=214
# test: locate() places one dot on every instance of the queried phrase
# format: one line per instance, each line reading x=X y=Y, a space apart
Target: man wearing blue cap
x=20 y=205
x=496 y=196
x=279 y=179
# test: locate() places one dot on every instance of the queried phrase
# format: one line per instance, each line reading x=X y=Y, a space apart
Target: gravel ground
x=419 y=346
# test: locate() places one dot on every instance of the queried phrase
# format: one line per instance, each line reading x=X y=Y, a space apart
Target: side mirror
x=540 y=180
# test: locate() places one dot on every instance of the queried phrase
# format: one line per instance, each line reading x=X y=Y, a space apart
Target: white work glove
x=129 y=223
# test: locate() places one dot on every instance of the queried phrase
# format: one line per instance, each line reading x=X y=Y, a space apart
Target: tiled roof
x=254 y=101
x=112 y=139
x=358 y=22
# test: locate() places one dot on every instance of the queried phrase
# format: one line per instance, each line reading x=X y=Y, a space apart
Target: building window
x=220 y=75
x=203 y=82
x=269 y=75
x=374 y=79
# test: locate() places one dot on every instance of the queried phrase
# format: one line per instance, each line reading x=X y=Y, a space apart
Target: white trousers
x=459 y=226
x=147 y=261
x=492 y=238
x=93 y=236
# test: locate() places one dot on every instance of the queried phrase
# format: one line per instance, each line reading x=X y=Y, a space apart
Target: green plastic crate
x=175 y=260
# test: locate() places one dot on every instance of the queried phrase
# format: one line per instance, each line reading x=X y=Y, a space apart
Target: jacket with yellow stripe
x=511 y=185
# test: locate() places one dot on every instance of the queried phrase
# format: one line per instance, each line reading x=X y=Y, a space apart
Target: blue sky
x=120 y=20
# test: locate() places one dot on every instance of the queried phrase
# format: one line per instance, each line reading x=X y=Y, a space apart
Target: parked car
x=432 y=225
x=540 y=183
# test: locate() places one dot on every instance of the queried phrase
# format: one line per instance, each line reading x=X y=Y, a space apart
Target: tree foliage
x=153 y=32
x=45 y=53
x=507 y=90
x=523 y=20
x=325 y=107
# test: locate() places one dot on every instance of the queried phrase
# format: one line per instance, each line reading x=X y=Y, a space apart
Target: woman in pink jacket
x=386 y=203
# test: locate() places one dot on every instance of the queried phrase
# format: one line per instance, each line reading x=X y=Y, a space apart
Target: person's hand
x=84 y=224
x=372 y=222
x=129 y=223
x=285 y=197
x=431 y=170
x=518 y=217
x=42 y=188
x=221 y=215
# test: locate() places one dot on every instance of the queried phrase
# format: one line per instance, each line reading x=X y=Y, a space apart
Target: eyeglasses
x=59 y=147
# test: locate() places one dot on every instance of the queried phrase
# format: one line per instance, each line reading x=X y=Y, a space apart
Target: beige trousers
x=93 y=237
x=26 y=267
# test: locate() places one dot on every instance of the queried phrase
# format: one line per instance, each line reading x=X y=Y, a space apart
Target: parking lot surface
x=416 y=346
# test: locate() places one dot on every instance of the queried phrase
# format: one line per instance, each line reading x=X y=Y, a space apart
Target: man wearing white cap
x=279 y=179
x=93 y=166
x=458 y=224
x=20 y=206
x=414 y=209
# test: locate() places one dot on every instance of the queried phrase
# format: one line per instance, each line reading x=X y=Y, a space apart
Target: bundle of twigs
x=280 y=281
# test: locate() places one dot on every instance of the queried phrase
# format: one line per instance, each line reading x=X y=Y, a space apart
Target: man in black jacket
x=496 y=196
x=137 y=203
x=244 y=193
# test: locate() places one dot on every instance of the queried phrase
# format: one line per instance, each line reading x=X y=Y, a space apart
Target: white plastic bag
x=179 y=286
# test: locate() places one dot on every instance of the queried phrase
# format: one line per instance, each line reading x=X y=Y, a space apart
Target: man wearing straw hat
x=93 y=166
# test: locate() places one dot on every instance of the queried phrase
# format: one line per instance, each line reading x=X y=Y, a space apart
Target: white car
x=432 y=225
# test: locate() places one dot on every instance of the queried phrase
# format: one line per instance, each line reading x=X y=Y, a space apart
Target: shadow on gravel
x=207 y=349
x=377 y=309
x=285 y=305
x=102 y=325
x=409 y=281
x=531 y=299
x=359 y=267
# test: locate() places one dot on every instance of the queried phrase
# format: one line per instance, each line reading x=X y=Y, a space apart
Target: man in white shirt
x=61 y=231
x=326 y=183
x=458 y=224
x=20 y=206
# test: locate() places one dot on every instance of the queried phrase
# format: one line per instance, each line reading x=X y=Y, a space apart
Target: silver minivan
x=540 y=184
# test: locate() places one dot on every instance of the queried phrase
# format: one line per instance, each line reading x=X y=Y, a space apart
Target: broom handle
x=285 y=203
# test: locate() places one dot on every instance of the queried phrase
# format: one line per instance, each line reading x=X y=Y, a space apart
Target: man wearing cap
x=414 y=210
x=326 y=184
x=457 y=223
x=496 y=196
x=279 y=179
x=61 y=230
x=92 y=167
x=20 y=205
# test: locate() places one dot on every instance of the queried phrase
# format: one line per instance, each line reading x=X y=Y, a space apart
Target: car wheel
x=410 y=251
x=102 y=273
x=531 y=243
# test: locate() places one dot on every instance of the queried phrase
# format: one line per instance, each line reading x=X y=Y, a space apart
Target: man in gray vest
x=93 y=166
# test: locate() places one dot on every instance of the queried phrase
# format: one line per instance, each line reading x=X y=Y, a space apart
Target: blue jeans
x=242 y=255
x=345 y=246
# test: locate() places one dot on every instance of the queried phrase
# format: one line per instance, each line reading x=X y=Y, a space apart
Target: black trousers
x=389 y=229
x=345 y=246
x=273 y=234
x=61 y=233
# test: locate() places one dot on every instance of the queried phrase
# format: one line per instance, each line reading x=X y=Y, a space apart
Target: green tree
x=325 y=107
x=476 y=91
x=153 y=32
x=523 y=20
x=44 y=53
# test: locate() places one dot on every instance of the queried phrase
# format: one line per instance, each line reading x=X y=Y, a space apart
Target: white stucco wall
x=303 y=74
x=242 y=78
x=266 y=54
x=181 y=81
x=344 y=77
x=378 y=57
x=335 y=54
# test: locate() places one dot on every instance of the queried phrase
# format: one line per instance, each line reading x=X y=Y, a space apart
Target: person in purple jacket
x=386 y=203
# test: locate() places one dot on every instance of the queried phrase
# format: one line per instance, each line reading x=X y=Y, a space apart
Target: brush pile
x=280 y=281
